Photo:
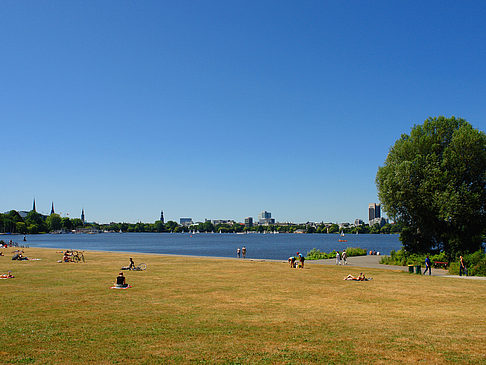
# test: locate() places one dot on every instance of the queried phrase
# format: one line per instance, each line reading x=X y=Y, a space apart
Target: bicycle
x=73 y=256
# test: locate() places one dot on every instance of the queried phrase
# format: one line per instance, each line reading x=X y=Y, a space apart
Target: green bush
x=404 y=258
x=355 y=251
x=475 y=262
x=316 y=254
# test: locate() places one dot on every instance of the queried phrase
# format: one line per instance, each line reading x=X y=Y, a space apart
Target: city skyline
x=217 y=109
x=264 y=217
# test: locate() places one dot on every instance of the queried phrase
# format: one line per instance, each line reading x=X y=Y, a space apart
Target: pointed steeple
x=82 y=216
x=162 y=216
x=52 y=208
x=33 y=206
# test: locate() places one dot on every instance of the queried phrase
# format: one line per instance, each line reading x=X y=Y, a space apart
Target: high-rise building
x=374 y=211
x=265 y=215
x=374 y=215
x=249 y=222
x=265 y=218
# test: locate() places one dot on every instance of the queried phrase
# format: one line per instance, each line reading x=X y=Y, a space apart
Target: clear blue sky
x=222 y=109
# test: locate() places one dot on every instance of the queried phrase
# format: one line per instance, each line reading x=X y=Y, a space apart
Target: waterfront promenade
x=373 y=262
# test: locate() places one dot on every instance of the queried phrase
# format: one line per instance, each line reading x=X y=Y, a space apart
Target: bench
x=441 y=264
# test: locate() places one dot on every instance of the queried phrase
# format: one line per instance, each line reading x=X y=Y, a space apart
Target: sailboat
x=342 y=235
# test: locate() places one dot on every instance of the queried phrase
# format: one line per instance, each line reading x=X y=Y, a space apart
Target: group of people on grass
x=297 y=261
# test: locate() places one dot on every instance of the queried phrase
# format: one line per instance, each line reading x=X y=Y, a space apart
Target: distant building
x=358 y=222
x=264 y=215
x=162 y=216
x=82 y=216
x=185 y=221
x=222 y=221
x=52 y=208
x=374 y=211
x=380 y=221
x=33 y=206
x=265 y=218
x=249 y=222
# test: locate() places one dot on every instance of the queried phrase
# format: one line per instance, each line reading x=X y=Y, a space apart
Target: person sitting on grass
x=132 y=264
x=120 y=281
x=18 y=256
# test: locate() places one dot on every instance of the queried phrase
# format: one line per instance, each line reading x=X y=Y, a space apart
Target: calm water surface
x=259 y=246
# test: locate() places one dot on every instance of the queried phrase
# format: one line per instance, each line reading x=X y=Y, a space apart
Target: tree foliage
x=433 y=182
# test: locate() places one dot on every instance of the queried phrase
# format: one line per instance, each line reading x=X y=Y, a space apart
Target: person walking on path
x=243 y=251
x=427 y=265
x=344 y=257
x=462 y=266
x=338 y=258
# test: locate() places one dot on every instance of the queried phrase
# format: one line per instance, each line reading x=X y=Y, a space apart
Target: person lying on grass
x=7 y=276
x=361 y=277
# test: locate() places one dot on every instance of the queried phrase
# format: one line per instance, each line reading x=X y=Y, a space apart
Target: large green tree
x=54 y=222
x=433 y=183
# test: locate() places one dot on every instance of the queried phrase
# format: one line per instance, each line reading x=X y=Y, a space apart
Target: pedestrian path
x=373 y=262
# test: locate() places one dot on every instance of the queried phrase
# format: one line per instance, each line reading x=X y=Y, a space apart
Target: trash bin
x=410 y=269
x=418 y=269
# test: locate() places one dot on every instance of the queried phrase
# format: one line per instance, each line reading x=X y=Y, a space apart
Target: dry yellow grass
x=184 y=310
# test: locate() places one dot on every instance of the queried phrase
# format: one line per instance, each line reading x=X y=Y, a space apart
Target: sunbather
x=361 y=277
x=120 y=281
x=7 y=276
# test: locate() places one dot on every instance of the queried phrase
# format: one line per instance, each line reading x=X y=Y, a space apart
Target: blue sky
x=222 y=109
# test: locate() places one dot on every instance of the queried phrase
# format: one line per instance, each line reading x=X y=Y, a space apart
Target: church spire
x=162 y=216
x=52 y=208
x=82 y=216
x=33 y=206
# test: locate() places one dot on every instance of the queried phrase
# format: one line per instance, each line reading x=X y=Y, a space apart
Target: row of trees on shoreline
x=34 y=223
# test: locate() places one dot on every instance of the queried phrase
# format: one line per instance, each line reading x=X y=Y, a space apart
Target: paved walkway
x=373 y=262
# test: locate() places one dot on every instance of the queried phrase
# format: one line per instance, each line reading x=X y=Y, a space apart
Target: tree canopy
x=433 y=182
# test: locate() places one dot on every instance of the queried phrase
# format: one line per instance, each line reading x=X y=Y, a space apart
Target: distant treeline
x=34 y=222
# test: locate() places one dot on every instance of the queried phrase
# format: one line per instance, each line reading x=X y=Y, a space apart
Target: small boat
x=342 y=240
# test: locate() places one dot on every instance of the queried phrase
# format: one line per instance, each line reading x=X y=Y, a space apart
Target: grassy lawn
x=198 y=310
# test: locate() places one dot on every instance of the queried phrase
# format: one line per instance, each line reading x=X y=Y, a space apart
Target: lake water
x=259 y=246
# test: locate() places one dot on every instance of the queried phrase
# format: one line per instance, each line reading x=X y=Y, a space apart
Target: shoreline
x=364 y=262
